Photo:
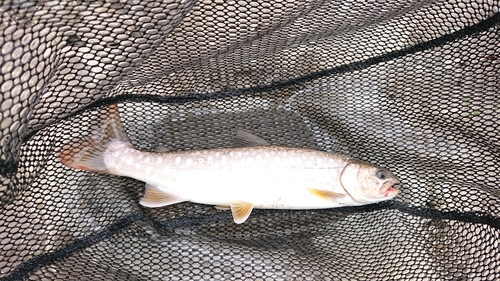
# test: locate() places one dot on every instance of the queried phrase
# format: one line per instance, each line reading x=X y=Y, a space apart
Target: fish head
x=368 y=183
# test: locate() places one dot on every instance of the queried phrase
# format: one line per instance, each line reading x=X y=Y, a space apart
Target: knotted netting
x=410 y=85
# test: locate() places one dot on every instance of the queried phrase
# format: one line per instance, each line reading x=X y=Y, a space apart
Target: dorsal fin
x=161 y=149
x=245 y=139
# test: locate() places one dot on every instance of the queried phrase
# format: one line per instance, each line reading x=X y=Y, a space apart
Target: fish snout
x=390 y=189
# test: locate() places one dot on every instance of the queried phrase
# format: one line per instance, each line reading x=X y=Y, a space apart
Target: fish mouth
x=390 y=189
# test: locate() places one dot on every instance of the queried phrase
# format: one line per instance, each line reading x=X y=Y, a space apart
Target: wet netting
x=410 y=85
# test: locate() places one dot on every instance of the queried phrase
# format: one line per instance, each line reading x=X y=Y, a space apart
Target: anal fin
x=325 y=194
x=241 y=211
x=154 y=197
x=224 y=208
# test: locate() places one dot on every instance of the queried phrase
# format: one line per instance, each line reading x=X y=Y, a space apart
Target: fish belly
x=277 y=188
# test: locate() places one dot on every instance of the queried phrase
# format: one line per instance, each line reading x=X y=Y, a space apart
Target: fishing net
x=410 y=85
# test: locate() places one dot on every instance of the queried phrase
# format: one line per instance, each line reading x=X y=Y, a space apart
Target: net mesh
x=411 y=85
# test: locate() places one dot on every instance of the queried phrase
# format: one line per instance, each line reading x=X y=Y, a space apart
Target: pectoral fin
x=154 y=197
x=241 y=210
x=325 y=194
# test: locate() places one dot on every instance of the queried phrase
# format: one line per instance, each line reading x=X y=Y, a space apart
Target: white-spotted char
x=249 y=174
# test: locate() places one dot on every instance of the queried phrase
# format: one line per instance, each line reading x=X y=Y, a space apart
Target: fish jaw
x=389 y=189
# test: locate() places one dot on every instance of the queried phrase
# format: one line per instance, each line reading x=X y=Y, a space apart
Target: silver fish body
x=267 y=176
x=252 y=175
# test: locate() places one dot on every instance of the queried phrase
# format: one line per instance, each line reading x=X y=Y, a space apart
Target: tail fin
x=87 y=153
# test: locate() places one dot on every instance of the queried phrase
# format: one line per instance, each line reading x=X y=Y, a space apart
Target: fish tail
x=88 y=153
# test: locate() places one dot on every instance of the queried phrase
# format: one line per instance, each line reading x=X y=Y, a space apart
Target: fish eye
x=382 y=175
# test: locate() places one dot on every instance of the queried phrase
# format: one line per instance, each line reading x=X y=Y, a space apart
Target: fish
x=250 y=174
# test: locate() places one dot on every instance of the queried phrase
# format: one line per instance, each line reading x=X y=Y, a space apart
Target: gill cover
x=349 y=178
x=368 y=183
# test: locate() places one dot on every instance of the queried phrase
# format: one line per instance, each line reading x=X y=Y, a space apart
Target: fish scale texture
x=410 y=85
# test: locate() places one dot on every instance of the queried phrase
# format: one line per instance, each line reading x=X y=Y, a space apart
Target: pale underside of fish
x=250 y=174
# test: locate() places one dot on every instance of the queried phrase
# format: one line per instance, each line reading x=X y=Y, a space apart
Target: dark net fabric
x=410 y=85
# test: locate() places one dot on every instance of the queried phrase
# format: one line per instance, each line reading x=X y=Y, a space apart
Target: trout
x=250 y=174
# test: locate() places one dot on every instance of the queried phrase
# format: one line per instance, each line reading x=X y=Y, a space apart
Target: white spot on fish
x=224 y=158
x=166 y=170
x=189 y=161
x=147 y=171
x=159 y=160
x=178 y=160
x=259 y=157
x=209 y=159
x=217 y=154
x=138 y=166
x=239 y=154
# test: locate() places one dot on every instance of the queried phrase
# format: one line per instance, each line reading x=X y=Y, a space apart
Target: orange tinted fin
x=84 y=154
x=241 y=210
x=325 y=194
x=224 y=208
x=87 y=153
x=153 y=198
